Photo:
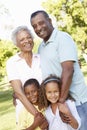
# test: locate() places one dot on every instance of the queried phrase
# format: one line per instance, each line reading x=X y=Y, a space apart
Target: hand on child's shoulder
x=63 y=107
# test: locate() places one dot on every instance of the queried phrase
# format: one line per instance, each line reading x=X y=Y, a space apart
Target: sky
x=19 y=14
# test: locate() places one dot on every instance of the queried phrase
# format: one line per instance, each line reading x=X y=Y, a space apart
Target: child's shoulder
x=69 y=101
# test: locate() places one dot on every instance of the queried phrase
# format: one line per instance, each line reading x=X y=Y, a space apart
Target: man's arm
x=17 y=87
x=67 y=116
x=66 y=78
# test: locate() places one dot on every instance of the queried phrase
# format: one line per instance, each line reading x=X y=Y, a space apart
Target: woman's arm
x=38 y=122
x=17 y=87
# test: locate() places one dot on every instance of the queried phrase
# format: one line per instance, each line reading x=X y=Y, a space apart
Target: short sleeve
x=11 y=69
x=67 y=47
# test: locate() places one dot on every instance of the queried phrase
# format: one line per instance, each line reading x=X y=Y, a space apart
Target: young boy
x=26 y=119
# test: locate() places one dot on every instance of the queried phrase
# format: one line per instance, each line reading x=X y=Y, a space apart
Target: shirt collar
x=18 y=58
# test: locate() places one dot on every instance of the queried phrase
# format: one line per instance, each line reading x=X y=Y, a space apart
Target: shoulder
x=64 y=36
x=13 y=58
x=48 y=109
x=70 y=103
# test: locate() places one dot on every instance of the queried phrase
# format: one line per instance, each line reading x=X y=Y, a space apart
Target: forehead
x=52 y=85
x=38 y=17
x=30 y=87
x=22 y=33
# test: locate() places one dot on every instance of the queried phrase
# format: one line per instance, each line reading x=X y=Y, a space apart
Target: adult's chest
x=50 y=51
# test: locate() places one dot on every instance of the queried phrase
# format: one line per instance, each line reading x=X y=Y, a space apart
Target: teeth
x=41 y=32
x=27 y=44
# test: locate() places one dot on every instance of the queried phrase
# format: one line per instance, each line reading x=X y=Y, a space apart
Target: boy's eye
x=32 y=92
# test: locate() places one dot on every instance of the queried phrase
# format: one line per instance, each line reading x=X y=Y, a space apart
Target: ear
x=50 y=21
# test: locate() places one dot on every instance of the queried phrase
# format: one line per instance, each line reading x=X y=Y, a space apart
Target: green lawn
x=7 y=110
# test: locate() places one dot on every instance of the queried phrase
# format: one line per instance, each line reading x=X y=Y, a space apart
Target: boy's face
x=52 y=92
x=31 y=93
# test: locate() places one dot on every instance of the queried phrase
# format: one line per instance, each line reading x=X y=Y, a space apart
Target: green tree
x=71 y=16
x=7 y=49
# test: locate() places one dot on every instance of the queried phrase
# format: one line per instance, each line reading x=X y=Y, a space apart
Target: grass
x=7 y=110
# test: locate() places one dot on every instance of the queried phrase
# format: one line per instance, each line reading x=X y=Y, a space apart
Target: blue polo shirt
x=59 y=48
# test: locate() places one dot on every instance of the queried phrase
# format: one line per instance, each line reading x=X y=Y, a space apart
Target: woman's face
x=24 y=41
x=52 y=92
x=31 y=92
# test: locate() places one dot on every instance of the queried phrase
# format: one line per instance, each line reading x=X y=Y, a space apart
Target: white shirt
x=17 y=68
x=55 y=122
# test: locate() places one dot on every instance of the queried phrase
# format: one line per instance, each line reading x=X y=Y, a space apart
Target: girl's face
x=52 y=92
x=31 y=92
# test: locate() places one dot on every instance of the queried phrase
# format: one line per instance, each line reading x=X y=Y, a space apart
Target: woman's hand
x=40 y=120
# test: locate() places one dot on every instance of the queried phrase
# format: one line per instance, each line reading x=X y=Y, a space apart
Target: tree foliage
x=7 y=49
x=71 y=16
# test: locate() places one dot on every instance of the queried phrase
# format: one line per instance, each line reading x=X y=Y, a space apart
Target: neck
x=54 y=107
x=27 y=56
x=47 y=38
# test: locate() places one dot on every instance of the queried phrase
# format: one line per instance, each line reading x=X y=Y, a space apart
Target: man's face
x=42 y=26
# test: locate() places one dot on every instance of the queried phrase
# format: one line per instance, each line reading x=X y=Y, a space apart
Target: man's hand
x=64 y=112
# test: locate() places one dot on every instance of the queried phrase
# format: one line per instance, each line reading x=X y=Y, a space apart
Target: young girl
x=26 y=120
x=51 y=91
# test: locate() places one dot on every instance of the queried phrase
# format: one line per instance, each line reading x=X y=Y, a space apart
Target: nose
x=38 y=28
x=52 y=94
x=29 y=95
x=26 y=40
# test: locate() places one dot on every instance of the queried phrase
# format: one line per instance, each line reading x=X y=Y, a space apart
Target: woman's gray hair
x=17 y=30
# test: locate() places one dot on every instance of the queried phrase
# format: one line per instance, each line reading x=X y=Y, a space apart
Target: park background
x=67 y=15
